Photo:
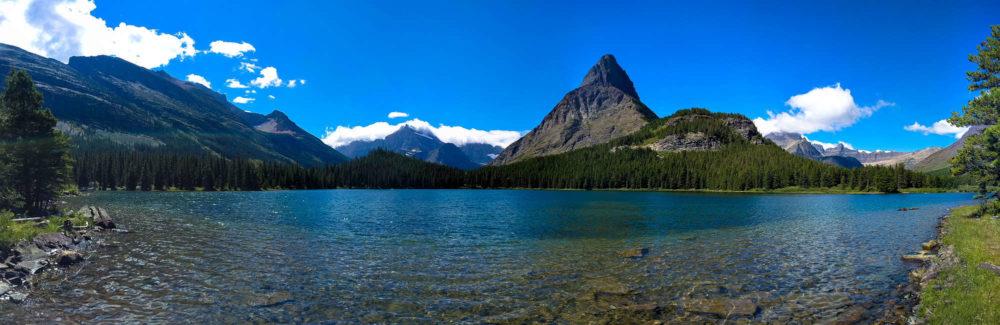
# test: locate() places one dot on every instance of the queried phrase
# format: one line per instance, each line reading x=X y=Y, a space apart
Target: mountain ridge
x=109 y=103
x=604 y=107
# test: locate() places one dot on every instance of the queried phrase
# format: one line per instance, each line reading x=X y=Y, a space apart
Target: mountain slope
x=939 y=159
x=450 y=155
x=105 y=102
x=604 y=107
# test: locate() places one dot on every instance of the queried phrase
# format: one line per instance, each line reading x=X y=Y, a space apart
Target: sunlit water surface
x=430 y=256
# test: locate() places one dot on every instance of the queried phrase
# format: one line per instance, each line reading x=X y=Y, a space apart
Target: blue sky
x=502 y=65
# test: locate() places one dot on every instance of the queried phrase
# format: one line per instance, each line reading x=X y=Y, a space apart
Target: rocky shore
x=933 y=258
x=26 y=260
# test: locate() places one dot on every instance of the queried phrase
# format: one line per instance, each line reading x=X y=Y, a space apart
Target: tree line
x=736 y=168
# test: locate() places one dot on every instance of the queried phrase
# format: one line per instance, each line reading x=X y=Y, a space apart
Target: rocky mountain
x=797 y=145
x=939 y=160
x=420 y=144
x=880 y=157
x=604 y=107
x=106 y=103
x=804 y=148
x=786 y=139
x=481 y=153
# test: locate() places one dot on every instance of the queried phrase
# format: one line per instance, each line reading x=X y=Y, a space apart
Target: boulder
x=4 y=288
x=922 y=257
x=31 y=267
x=25 y=251
x=53 y=240
x=69 y=258
x=18 y=297
x=990 y=267
x=930 y=245
x=724 y=308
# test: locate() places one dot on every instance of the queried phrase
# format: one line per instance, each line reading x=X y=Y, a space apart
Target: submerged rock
x=69 y=258
x=272 y=299
x=724 y=308
x=634 y=252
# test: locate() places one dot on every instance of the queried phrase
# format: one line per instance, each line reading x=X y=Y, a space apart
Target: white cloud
x=457 y=135
x=268 y=78
x=250 y=91
x=292 y=83
x=243 y=100
x=199 y=80
x=820 y=109
x=63 y=28
x=233 y=83
x=302 y=81
x=230 y=49
x=397 y=114
x=270 y=96
x=941 y=127
x=249 y=67
x=829 y=145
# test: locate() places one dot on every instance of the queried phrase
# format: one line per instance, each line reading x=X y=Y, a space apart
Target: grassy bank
x=13 y=231
x=967 y=294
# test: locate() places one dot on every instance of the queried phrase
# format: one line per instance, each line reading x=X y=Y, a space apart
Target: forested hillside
x=691 y=149
x=725 y=158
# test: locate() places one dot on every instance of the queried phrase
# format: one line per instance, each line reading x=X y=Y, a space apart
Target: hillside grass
x=967 y=294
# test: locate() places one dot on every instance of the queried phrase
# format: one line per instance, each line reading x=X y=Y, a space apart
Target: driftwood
x=27 y=219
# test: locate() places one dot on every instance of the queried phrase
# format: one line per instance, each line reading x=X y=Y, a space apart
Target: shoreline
x=786 y=190
x=29 y=259
x=957 y=285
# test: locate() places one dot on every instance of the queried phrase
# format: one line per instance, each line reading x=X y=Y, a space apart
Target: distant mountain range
x=424 y=145
x=604 y=107
x=106 y=103
x=800 y=146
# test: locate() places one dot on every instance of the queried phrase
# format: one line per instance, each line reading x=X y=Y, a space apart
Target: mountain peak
x=607 y=73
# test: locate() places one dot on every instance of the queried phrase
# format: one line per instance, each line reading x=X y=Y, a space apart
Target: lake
x=474 y=256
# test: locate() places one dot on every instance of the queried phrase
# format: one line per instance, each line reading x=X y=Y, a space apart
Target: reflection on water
x=477 y=256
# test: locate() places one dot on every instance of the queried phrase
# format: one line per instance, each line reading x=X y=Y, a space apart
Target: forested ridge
x=620 y=164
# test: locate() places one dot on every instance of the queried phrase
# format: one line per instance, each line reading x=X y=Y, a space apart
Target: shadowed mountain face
x=481 y=153
x=420 y=144
x=939 y=159
x=108 y=103
x=604 y=107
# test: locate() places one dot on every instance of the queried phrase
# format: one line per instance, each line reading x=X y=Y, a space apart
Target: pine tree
x=38 y=154
x=978 y=157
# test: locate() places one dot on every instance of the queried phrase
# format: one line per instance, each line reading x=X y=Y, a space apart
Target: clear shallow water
x=430 y=256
